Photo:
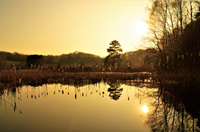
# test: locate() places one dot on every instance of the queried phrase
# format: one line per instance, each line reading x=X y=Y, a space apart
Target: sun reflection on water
x=145 y=109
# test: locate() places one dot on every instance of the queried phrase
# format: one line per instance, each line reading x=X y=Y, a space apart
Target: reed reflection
x=174 y=107
x=9 y=98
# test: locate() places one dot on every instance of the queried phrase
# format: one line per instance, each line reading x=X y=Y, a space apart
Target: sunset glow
x=141 y=27
x=57 y=27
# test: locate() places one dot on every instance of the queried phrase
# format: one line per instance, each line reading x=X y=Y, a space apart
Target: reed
x=35 y=77
x=183 y=76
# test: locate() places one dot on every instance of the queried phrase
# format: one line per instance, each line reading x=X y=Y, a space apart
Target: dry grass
x=12 y=79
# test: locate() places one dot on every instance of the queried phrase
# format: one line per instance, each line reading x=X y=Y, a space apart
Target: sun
x=145 y=109
x=141 y=27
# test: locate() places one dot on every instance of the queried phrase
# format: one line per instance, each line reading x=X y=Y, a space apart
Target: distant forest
x=133 y=57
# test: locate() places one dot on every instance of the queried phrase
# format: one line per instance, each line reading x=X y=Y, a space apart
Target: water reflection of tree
x=115 y=90
x=174 y=108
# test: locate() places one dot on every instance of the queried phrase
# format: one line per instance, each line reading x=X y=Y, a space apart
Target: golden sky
x=63 y=26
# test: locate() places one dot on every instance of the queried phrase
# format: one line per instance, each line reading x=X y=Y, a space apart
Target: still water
x=69 y=108
x=101 y=107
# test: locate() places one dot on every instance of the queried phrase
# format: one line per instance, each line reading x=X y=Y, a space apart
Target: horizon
x=69 y=53
x=61 y=27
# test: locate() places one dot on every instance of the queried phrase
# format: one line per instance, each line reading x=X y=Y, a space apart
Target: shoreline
x=13 y=79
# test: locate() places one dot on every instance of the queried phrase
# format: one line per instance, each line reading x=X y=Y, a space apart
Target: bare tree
x=167 y=20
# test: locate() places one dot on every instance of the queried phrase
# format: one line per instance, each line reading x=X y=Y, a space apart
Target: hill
x=7 y=59
x=133 y=57
x=136 y=57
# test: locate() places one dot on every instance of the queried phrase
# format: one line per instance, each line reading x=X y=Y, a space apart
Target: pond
x=101 y=107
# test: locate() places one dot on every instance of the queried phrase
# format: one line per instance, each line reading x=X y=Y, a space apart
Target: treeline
x=71 y=58
x=13 y=56
x=139 y=57
x=64 y=59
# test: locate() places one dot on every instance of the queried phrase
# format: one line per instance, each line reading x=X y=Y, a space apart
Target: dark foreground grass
x=35 y=77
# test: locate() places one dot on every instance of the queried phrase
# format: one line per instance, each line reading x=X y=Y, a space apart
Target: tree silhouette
x=114 y=55
x=34 y=59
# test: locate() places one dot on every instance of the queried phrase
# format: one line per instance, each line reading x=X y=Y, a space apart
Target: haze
x=60 y=27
